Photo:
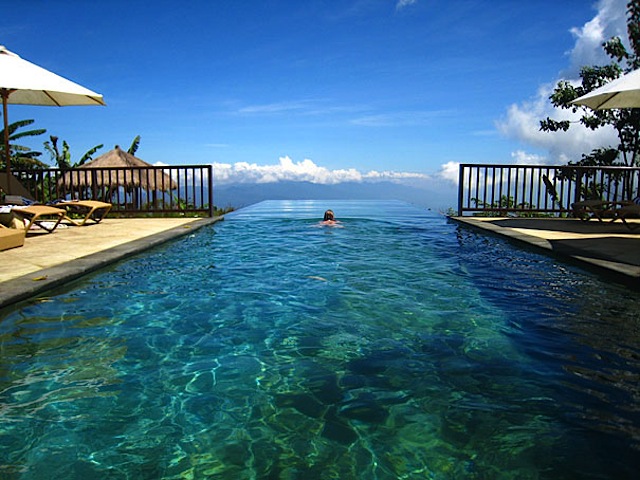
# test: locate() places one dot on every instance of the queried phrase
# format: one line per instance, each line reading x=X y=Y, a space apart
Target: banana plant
x=134 y=145
x=62 y=157
x=21 y=156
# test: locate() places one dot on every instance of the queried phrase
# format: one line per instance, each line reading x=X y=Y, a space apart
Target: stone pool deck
x=610 y=249
x=47 y=261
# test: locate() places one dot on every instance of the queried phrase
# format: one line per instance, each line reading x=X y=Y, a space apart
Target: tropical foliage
x=62 y=158
x=21 y=156
x=134 y=145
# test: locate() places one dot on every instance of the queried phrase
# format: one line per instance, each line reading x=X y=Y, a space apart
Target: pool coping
x=29 y=286
x=599 y=260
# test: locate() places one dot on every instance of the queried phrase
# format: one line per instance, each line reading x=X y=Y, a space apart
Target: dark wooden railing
x=536 y=190
x=137 y=191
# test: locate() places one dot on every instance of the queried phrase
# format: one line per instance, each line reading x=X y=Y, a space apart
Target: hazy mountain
x=241 y=195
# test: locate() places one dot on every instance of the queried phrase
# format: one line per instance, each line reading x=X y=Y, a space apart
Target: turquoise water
x=266 y=347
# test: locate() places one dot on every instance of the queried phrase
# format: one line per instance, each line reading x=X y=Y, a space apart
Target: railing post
x=460 y=187
x=210 y=187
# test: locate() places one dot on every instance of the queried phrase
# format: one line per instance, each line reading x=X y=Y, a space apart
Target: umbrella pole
x=7 y=155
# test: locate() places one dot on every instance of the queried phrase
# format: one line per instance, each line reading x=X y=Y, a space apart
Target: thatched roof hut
x=120 y=169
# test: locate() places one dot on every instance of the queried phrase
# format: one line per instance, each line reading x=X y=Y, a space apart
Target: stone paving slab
x=50 y=260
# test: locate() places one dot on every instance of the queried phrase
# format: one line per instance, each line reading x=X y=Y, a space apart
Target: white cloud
x=275 y=108
x=401 y=119
x=304 y=171
x=304 y=107
x=404 y=3
x=450 y=172
x=609 y=21
x=524 y=158
x=522 y=121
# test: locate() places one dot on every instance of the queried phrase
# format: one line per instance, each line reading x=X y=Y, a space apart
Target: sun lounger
x=609 y=210
x=11 y=237
x=631 y=210
x=90 y=209
x=47 y=218
x=587 y=209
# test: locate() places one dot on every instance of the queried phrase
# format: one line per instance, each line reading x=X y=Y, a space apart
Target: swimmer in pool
x=329 y=219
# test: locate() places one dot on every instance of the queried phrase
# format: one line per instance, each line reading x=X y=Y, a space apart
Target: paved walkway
x=49 y=260
x=608 y=248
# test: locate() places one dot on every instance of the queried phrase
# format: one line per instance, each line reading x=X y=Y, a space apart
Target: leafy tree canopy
x=626 y=122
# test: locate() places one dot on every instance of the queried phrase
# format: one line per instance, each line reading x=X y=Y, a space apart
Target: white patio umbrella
x=623 y=92
x=22 y=82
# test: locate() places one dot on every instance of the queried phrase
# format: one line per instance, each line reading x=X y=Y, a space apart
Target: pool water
x=267 y=347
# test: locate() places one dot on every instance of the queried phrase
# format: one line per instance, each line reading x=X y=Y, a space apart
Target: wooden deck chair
x=45 y=217
x=587 y=209
x=90 y=209
x=630 y=210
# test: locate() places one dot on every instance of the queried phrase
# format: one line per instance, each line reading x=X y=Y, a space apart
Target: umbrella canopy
x=22 y=82
x=623 y=92
x=154 y=179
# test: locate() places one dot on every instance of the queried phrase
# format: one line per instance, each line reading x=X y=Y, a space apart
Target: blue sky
x=320 y=90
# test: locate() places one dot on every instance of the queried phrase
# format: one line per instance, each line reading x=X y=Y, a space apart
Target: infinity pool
x=267 y=347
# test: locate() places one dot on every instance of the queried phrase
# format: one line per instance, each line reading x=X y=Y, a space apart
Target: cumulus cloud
x=450 y=172
x=304 y=171
x=523 y=158
x=609 y=21
x=522 y=121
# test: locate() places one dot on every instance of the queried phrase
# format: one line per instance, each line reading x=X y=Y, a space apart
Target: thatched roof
x=138 y=173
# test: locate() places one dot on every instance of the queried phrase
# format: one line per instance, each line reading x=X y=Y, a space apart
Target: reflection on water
x=583 y=334
x=400 y=346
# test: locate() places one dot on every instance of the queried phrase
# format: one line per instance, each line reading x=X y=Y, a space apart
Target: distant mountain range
x=241 y=195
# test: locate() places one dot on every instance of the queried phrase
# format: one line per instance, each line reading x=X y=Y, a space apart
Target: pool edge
x=622 y=272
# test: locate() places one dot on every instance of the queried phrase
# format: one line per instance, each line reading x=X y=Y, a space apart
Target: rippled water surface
x=266 y=347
